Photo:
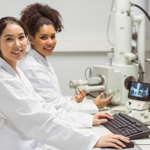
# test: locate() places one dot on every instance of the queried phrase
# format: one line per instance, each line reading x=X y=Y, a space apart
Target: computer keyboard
x=127 y=126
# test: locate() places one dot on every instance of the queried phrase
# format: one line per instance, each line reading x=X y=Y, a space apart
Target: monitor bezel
x=138 y=98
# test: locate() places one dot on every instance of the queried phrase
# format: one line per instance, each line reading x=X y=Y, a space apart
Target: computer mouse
x=128 y=145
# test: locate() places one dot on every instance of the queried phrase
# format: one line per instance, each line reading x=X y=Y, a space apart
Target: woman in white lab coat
x=42 y=22
x=26 y=121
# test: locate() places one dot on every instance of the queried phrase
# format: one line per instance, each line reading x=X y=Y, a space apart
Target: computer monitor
x=139 y=91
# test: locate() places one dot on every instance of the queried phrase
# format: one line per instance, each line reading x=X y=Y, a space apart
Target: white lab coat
x=26 y=121
x=44 y=80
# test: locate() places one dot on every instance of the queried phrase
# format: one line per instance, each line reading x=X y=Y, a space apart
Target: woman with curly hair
x=43 y=22
x=26 y=121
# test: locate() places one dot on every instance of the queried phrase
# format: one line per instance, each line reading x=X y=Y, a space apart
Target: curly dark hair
x=36 y=15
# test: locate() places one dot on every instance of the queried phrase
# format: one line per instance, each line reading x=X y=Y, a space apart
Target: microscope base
x=137 y=104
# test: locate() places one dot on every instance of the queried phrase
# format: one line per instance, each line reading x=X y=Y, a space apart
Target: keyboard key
x=138 y=125
x=127 y=126
x=123 y=133
x=120 y=130
x=138 y=129
x=133 y=125
x=130 y=127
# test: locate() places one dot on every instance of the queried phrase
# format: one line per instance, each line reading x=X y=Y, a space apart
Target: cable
x=141 y=77
x=141 y=73
x=110 y=19
x=90 y=95
x=143 y=11
x=109 y=24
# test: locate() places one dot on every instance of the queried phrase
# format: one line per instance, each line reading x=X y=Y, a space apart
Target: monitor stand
x=137 y=104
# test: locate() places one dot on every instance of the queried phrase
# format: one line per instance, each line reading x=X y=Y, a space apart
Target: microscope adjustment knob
x=111 y=92
x=146 y=116
x=122 y=11
x=76 y=90
x=110 y=55
x=118 y=99
x=130 y=103
x=142 y=113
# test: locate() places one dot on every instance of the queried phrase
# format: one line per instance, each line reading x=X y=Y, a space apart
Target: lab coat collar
x=39 y=58
x=8 y=68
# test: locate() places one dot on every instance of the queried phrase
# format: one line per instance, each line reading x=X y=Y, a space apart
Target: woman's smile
x=49 y=48
x=18 y=52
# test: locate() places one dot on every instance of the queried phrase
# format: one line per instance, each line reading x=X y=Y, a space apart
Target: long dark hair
x=11 y=20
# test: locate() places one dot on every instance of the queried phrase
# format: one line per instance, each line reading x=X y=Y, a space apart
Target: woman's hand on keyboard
x=99 y=117
x=112 y=140
x=100 y=103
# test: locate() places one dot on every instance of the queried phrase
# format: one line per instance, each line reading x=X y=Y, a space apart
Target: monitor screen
x=139 y=91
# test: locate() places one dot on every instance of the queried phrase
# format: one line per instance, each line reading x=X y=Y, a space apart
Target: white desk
x=101 y=130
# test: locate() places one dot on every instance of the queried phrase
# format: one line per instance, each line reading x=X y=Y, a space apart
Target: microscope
x=126 y=63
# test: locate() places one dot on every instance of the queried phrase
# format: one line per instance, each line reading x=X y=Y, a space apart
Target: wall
x=84 y=21
x=72 y=65
x=69 y=66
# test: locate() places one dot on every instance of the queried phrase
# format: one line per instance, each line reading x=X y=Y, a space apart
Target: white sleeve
x=42 y=85
x=27 y=115
x=77 y=119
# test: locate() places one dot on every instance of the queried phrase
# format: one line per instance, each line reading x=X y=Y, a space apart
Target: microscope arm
x=89 y=89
